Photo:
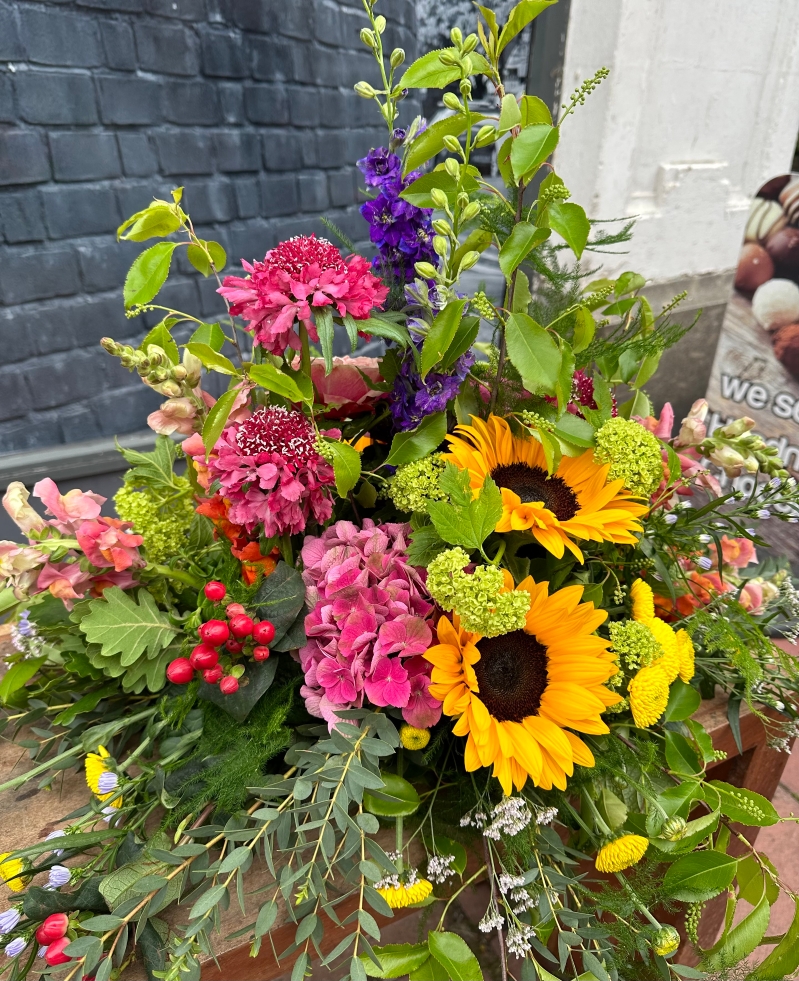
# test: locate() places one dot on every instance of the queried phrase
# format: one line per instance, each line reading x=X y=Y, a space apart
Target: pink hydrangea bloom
x=269 y=469
x=300 y=273
x=110 y=542
x=368 y=625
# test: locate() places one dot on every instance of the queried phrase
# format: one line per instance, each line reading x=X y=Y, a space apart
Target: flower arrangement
x=391 y=627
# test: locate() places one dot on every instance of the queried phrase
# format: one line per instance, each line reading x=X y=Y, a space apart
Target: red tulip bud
x=55 y=955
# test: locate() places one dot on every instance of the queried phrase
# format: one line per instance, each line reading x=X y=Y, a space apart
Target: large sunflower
x=577 y=501
x=518 y=695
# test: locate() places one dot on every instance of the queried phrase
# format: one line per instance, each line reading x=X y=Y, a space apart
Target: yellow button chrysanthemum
x=96 y=765
x=621 y=853
x=11 y=872
x=685 y=655
x=649 y=694
x=643 y=601
x=413 y=738
x=399 y=896
x=666 y=941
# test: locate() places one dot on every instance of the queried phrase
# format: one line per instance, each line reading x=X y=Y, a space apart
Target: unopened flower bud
x=380 y=23
x=466 y=86
x=440 y=245
x=699 y=410
x=452 y=167
x=179 y=373
x=486 y=134
x=170 y=388
x=365 y=90
x=739 y=427
x=452 y=144
x=692 y=432
x=665 y=941
x=157 y=355
x=157 y=375
x=751 y=464
x=448 y=58
x=110 y=345
x=194 y=368
x=439 y=198
x=472 y=210
x=456 y=36
x=728 y=458
x=426 y=270
x=469 y=44
x=466 y=64
x=397 y=57
x=441 y=226
x=469 y=260
x=368 y=37
x=673 y=829
x=451 y=101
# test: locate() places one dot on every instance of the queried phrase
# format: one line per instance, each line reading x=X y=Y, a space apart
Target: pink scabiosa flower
x=368 y=625
x=300 y=273
x=270 y=470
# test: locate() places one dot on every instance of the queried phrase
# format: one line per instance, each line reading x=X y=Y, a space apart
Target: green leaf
x=745 y=806
x=198 y=257
x=519 y=17
x=534 y=354
x=398 y=798
x=430 y=970
x=87 y=703
x=629 y=282
x=161 y=336
x=99 y=924
x=570 y=222
x=741 y=940
x=217 y=418
x=440 y=335
x=213 y=359
x=465 y=336
x=471 y=523
x=427 y=72
x=80 y=841
x=17 y=676
x=702 y=740
x=218 y=255
x=519 y=243
x=453 y=954
x=274 y=380
x=446 y=846
x=584 y=329
x=563 y=385
x=699 y=876
x=396 y=960
x=207 y=901
x=535 y=110
x=378 y=326
x=127 y=626
x=211 y=335
x=157 y=221
x=148 y=274
x=510 y=114
x=684 y=700
x=413 y=445
x=680 y=754
x=120 y=885
x=346 y=464
x=323 y=317
x=531 y=148
x=279 y=599
x=431 y=142
x=267 y=915
x=783 y=961
x=575 y=430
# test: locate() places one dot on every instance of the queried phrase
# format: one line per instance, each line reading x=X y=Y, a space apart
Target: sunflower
x=577 y=501
x=518 y=695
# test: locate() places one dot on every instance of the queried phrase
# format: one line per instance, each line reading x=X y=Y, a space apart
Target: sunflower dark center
x=533 y=484
x=512 y=675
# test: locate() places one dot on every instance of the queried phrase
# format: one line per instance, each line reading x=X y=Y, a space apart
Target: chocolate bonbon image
x=776 y=303
x=755 y=267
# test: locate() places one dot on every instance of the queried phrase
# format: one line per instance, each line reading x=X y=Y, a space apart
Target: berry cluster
x=238 y=634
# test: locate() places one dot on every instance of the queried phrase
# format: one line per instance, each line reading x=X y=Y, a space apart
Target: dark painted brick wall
x=105 y=104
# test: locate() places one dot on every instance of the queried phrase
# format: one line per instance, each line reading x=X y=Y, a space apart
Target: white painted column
x=701 y=107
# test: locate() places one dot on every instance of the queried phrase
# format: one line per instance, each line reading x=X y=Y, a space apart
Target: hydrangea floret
x=416 y=484
x=633 y=453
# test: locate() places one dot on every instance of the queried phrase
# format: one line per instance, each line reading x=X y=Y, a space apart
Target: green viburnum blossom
x=163 y=527
x=416 y=484
x=633 y=453
x=476 y=597
x=634 y=643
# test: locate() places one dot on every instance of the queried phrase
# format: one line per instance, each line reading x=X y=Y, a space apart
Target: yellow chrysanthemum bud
x=399 y=896
x=685 y=655
x=665 y=941
x=643 y=601
x=674 y=828
x=413 y=738
x=649 y=695
x=621 y=854
x=11 y=872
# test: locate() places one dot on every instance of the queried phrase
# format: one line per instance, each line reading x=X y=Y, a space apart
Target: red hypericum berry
x=263 y=632
x=203 y=656
x=53 y=928
x=235 y=610
x=215 y=591
x=215 y=632
x=260 y=653
x=55 y=952
x=180 y=671
x=229 y=685
x=241 y=626
x=212 y=675
x=234 y=646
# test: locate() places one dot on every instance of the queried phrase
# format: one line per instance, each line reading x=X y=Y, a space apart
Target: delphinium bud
x=397 y=57
x=439 y=198
x=456 y=36
x=452 y=144
x=452 y=167
x=380 y=23
x=368 y=37
x=451 y=101
x=469 y=260
x=365 y=90
x=472 y=210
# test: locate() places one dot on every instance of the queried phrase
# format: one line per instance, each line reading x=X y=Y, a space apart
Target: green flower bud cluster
x=633 y=453
x=482 y=305
x=325 y=450
x=692 y=918
x=157 y=369
x=634 y=644
x=748 y=805
x=163 y=526
x=535 y=421
x=476 y=597
x=556 y=191
x=737 y=450
x=416 y=484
